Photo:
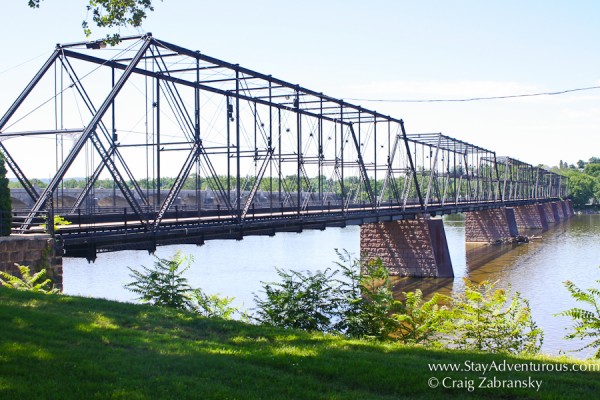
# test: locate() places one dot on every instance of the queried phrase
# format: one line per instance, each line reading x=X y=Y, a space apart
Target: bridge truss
x=195 y=147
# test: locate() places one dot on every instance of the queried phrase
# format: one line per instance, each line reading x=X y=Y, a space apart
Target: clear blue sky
x=382 y=50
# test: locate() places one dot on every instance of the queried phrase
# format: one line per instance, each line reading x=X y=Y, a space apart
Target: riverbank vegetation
x=584 y=181
x=72 y=348
x=360 y=304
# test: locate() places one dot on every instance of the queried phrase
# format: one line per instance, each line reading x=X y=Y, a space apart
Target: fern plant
x=587 y=321
x=37 y=282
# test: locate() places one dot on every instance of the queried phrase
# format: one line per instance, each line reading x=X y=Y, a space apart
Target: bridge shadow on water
x=482 y=262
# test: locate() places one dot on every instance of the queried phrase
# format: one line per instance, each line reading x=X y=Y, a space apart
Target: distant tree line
x=584 y=181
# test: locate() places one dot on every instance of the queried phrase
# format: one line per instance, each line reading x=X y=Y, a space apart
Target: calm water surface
x=570 y=251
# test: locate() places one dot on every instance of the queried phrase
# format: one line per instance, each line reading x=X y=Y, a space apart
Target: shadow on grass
x=67 y=347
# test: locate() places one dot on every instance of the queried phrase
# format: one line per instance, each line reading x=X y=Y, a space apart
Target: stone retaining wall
x=34 y=251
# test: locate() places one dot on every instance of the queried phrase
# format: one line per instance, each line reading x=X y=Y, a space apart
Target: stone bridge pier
x=491 y=226
x=412 y=247
x=531 y=216
x=418 y=247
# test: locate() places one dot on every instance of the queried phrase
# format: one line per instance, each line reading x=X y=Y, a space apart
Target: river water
x=569 y=251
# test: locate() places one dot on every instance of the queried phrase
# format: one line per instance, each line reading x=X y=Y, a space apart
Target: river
x=569 y=251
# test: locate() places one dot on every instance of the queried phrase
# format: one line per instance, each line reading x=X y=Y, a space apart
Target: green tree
x=581 y=188
x=5 y=202
x=112 y=14
x=592 y=169
x=587 y=321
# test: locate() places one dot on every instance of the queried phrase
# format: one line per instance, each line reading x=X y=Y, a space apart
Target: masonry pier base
x=415 y=248
x=491 y=226
x=531 y=216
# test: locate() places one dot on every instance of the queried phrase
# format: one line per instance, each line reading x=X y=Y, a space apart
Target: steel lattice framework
x=193 y=144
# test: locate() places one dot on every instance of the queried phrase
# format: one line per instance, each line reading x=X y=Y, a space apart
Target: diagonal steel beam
x=361 y=166
x=388 y=174
x=32 y=84
x=90 y=133
x=257 y=182
x=412 y=165
x=11 y=111
x=177 y=185
x=20 y=175
x=113 y=149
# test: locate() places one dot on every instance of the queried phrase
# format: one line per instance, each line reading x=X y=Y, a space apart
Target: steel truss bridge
x=189 y=148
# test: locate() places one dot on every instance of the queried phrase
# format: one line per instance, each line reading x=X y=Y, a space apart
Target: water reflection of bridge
x=180 y=147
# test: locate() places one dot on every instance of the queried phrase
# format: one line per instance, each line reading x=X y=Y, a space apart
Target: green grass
x=61 y=347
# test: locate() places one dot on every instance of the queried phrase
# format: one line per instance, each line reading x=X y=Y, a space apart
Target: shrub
x=587 y=322
x=212 y=305
x=483 y=318
x=302 y=301
x=365 y=299
x=360 y=304
x=37 y=282
x=418 y=321
x=165 y=285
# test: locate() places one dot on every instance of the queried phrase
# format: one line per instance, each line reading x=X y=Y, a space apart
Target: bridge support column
x=565 y=209
x=557 y=210
x=416 y=248
x=570 y=207
x=491 y=225
x=551 y=215
x=530 y=217
x=543 y=215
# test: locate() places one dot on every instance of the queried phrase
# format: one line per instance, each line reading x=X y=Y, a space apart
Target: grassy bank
x=62 y=347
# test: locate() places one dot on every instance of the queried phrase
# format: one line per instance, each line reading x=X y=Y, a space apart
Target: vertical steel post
x=157 y=195
x=299 y=155
x=238 y=184
x=412 y=165
x=229 y=118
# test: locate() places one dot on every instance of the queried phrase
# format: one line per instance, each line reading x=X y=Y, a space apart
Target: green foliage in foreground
x=586 y=320
x=361 y=305
x=62 y=347
x=165 y=285
x=37 y=282
x=486 y=318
